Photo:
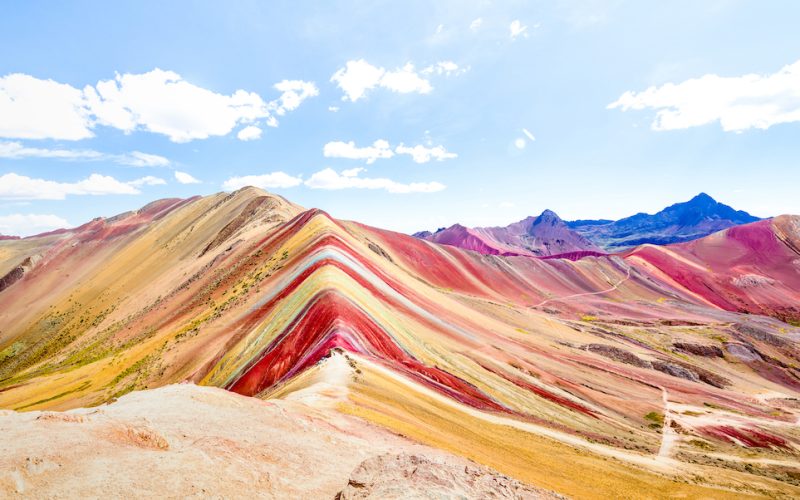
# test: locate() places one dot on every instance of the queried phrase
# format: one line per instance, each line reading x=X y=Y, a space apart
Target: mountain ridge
x=507 y=360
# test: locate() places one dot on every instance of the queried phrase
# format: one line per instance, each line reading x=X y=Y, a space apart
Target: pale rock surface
x=190 y=441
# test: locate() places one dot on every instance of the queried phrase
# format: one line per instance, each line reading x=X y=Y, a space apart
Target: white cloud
x=737 y=103
x=16 y=151
x=357 y=77
x=528 y=134
x=405 y=80
x=249 y=133
x=159 y=101
x=333 y=109
x=422 y=154
x=330 y=179
x=20 y=187
x=476 y=24
x=162 y=102
x=266 y=181
x=519 y=143
x=30 y=224
x=31 y=108
x=382 y=149
x=339 y=149
x=446 y=68
x=148 y=180
x=184 y=178
x=294 y=92
x=516 y=28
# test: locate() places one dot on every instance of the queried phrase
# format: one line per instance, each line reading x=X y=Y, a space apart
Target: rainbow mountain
x=665 y=370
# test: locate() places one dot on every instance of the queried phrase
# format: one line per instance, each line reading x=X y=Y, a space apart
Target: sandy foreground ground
x=202 y=442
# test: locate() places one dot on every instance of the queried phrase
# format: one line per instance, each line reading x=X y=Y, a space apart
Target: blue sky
x=405 y=115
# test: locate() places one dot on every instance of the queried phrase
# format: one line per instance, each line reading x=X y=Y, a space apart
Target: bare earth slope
x=663 y=371
x=190 y=441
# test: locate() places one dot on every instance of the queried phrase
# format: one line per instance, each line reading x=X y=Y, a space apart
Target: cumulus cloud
x=737 y=103
x=31 y=108
x=294 y=92
x=349 y=179
x=30 y=224
x=516 y=28
x=349 y=150
x=20 y=187
x=265 y=181
x=359 y=76
x=164 y=103
x=405 y=80
x=476 y=24
x=423 y=154
x=184 y=178
x=17 y=151
x=249 y=133
x=158 y=101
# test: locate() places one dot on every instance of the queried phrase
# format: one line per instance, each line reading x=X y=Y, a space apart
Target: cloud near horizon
x=20 y=187
x=738 y=103
x=266 y=181
x=330 y=179
x=15 y=151
x=30 y=224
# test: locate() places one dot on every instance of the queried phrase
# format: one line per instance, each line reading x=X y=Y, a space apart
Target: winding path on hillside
x=668 y=434
x=601 y=292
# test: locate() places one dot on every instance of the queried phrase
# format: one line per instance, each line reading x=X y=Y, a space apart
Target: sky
x=405 y=115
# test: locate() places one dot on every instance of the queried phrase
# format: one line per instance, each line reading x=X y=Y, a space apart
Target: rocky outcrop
x=706 y=351
x=618 y=354
x=687 y=371
x=758 y=333
x=414 y=476
x=18 y=272
x=743 y=352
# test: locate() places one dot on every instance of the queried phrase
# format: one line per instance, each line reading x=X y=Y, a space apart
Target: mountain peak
x=549 y=214
x=547 y=217
x=702 y=198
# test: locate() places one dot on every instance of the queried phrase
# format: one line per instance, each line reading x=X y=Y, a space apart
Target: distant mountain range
x=548 y=235
x=698 y=217
x=544 y=235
